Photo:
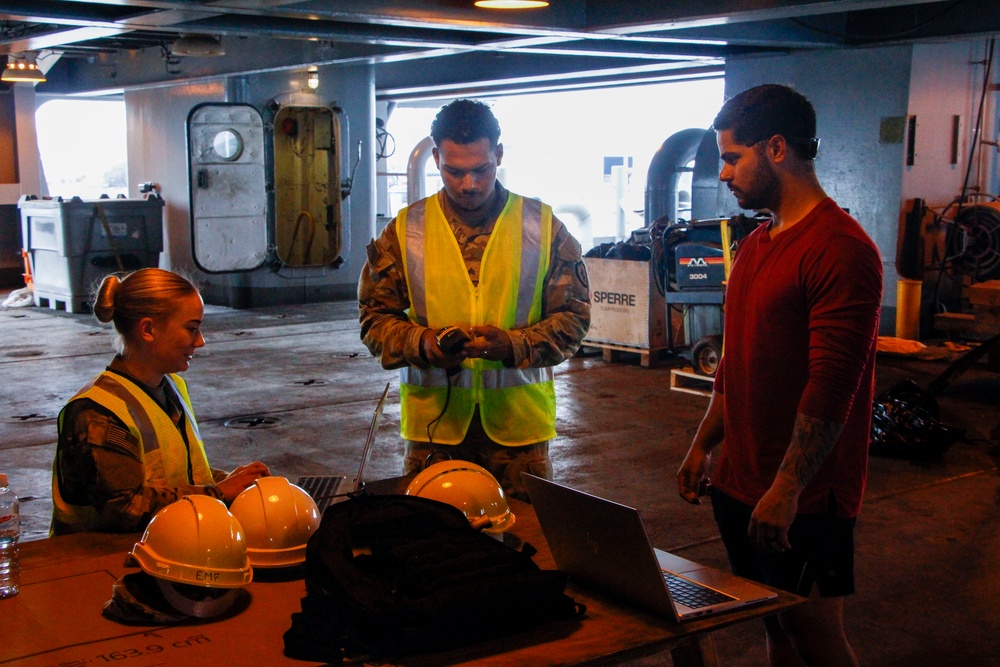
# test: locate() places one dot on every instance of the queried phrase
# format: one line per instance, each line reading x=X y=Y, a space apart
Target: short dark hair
x=465 y=122
x=762 y=112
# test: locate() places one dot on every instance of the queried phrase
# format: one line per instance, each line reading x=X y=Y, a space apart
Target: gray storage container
x=71 y=248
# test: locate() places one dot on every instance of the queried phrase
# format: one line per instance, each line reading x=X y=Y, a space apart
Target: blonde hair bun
x=104 y=304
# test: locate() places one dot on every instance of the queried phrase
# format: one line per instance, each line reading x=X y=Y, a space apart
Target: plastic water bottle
x=10 y=530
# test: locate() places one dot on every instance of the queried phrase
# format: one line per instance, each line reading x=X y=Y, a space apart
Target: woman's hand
x=240 y=479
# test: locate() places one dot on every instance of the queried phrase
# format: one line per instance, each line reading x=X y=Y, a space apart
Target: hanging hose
x=979 y=122
x=295 y=235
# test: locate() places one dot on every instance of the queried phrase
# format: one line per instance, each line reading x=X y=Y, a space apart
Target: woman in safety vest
x=129 y=443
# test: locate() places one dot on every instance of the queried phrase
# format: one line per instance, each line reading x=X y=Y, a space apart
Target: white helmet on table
x=278 y=518
x=470 y=488
x=192 y=545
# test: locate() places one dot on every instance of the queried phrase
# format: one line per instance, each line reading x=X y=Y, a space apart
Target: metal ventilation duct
x=416 y=180
x=670 y=161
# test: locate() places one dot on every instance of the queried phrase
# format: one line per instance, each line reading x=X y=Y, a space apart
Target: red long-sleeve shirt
x=801 y=327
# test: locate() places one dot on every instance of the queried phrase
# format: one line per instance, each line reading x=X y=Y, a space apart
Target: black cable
x=960 y=200
x=979 y=121
x=383 y=140
x=874 y=37
x=658 y=259
x=447 y=399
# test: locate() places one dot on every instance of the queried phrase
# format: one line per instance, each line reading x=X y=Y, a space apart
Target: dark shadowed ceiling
x=424 y=48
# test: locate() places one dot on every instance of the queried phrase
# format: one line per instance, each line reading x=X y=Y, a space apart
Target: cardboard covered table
x=56 y=620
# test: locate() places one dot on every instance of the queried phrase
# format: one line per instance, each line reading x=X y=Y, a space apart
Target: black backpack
x=395 y=575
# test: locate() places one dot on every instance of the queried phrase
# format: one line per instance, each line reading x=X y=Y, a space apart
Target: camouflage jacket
x=97 y=467
x=383 y=295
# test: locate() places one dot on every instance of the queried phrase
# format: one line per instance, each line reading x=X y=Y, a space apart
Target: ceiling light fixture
x=21 y=67
x=197 y=45
x=511 y=4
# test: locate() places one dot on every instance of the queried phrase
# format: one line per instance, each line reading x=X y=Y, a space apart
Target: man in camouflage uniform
x=505 y=271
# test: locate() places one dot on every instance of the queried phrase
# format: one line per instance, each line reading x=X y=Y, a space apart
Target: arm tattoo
x=812 y=440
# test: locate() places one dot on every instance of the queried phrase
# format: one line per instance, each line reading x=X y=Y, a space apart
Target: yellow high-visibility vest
x=517 y=405
x=165 y=456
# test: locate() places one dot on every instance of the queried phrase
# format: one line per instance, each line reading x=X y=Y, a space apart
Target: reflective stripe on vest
x=162 y=450
x=531 y=248
x=504 y=378
x=517 y=405
x=413 y=270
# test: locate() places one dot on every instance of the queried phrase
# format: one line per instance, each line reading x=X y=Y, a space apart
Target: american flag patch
x=123 y=439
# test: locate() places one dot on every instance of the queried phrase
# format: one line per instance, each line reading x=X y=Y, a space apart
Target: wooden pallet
x=689 y=382
x=610 y=352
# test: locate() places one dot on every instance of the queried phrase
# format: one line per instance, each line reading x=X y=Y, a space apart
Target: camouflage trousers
x=504 y=463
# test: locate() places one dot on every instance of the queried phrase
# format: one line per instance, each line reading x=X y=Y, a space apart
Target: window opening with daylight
x=586 y=153
x=82 y=146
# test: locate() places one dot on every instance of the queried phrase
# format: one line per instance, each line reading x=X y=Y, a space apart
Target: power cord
x=433 y=422
x=450 y=340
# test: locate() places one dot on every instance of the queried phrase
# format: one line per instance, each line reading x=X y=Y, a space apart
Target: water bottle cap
x=3 y=479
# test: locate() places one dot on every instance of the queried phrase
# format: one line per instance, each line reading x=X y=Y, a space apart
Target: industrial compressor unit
x=666 y=268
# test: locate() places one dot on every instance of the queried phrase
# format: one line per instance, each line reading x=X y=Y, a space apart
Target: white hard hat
x=196 y=551
x=278 y=518
x=195 y=541
x=470 y=488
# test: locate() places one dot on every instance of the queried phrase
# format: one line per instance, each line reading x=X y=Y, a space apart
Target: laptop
x=329 y=489
x=605 y=544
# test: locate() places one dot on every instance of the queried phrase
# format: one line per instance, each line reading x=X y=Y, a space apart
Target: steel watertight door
x=228 y=188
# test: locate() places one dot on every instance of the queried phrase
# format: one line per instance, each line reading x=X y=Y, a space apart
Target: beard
x=761 y=191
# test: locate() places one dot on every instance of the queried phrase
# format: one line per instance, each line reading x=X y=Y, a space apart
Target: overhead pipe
x=585 y=226
x=664 y=171
x=705 y=179
x=416 y=187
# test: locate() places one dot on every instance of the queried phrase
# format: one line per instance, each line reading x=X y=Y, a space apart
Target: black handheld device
x=451 y=339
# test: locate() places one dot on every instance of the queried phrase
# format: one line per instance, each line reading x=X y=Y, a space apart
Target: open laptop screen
x=327 y=489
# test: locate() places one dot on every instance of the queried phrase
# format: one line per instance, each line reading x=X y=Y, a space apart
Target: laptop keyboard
x=691 y=594
x=324 y=489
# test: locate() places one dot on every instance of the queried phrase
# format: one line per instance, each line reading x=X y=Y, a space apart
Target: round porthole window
x=228 y=145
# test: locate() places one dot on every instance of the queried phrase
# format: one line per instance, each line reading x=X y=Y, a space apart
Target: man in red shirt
x=791 y=405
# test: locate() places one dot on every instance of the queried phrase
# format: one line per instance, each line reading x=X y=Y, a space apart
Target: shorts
x=822 y=550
